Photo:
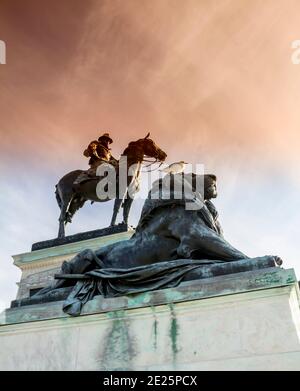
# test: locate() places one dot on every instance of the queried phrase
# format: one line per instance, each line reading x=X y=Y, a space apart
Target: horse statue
x=70 y=198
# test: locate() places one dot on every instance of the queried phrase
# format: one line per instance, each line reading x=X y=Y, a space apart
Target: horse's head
x=149 y=149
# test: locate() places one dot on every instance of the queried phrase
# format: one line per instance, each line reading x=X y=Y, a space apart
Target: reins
x=150 y=164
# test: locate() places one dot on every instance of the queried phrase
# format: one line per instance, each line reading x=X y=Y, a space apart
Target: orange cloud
x=197 y=74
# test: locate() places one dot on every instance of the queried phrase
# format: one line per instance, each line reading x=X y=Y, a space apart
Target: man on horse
x=77 y=186
x=99 y=152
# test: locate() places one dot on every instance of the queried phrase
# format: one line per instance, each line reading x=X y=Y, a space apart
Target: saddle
x=91 y=173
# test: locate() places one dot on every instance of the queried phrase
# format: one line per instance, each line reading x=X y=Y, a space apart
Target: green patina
x=174 y=331
x=290 y=279
x=155 y=327
x=139 y=298
x=112 y=314
x=269 y=278
x=173 y=295
x=118 y=346
x=155 y=324
x=276 y=277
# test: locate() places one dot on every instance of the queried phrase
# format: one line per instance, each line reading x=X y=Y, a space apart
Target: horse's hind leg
x=117 y=205
x=61 y=230
x=65 y=203
x=126 y=209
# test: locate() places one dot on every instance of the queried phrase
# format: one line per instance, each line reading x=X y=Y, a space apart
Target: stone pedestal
x=39 y=265
x=242 y=321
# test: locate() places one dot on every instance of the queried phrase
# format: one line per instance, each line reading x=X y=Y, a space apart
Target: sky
x=212 y=80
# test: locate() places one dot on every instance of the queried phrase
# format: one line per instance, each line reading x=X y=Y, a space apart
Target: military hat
x=105 y=136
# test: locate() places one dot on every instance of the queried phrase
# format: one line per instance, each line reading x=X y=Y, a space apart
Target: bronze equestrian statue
x=79 y=186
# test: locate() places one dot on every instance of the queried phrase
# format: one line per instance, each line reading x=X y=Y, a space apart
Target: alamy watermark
x=295 y=58
x=2 y=52
x=125 y=183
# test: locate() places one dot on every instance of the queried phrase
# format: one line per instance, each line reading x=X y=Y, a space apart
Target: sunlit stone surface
x=246 y=321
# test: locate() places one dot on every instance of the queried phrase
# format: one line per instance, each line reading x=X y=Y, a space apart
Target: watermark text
x=2 y=52
x=125 y=182
x=295 y=58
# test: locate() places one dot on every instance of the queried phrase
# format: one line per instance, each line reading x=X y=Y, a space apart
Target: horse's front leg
x=126 y=208
x=117 y=206
x=61 y=230
x=133 y=188
x=62 y=220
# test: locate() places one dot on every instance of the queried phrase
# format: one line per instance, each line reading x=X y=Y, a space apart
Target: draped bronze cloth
x=113 y=282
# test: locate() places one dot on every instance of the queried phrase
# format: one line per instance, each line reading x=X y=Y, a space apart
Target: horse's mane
x=131 y=145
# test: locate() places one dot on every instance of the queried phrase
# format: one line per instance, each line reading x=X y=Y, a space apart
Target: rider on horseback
x=98 y=152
